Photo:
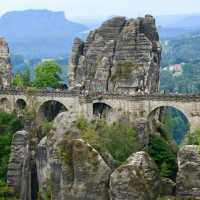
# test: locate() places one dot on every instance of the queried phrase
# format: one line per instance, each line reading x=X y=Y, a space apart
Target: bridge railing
x=154 y=96
x=99 y=96
x=56 y=93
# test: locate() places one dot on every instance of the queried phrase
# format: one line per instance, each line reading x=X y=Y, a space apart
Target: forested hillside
x=184 y=51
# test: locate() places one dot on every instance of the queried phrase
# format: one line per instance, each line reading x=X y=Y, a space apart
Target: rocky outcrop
x=142 y=127
x=19 y=172
x=122 y=56
x=188 y=182
x=168 y=187
x=69 y=168
x=78 y=173
x=5 y=64
x=137 y=179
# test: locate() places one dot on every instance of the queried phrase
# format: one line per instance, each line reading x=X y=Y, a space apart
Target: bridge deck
x=77 y=93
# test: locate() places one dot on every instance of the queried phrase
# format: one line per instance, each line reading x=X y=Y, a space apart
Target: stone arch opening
x=20 y=104
x=174 y=120
x=101 y=110
x=50 y=109
x=4 y=104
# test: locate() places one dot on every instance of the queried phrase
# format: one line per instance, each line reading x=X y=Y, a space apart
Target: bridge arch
x=5 y=105
x=20 y=104
x=50 y=109
x=178 y=121
x=101 y=110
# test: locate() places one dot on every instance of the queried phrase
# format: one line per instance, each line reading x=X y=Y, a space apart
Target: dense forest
x=184 y=51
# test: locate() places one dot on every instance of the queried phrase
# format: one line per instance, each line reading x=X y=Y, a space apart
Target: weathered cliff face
x=19 y=169
x=69 y=168
x=188 y=182
x=121 y=56
x=5 y=64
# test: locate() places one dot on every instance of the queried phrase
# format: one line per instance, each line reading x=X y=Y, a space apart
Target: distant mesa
x=50 y=36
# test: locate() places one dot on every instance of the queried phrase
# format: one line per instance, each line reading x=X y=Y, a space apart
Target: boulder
x=91 y=173
x=136 y=179
x=63 y=124
x=188 y=177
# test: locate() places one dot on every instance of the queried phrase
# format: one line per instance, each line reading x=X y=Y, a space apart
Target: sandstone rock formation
x=122 y=56
x=142 y=127
x=5 y=64
x=19 y=172
x=188 y=181
x=137 y=179
x=167 y=187
x=78 y=173
x=63 y=124
x=68 y=167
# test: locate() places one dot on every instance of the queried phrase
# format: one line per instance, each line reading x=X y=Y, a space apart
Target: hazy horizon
x=78 y=9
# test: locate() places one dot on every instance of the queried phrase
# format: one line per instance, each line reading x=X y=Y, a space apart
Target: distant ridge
x=39 y=33
x=179 y=21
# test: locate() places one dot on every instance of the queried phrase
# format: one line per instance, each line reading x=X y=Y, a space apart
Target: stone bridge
x=137 y=106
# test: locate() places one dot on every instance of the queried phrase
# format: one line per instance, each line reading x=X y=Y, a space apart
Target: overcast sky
x=100 y=8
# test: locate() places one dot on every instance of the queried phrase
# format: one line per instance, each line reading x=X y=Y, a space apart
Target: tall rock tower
x=5 y=64
x=122 y=56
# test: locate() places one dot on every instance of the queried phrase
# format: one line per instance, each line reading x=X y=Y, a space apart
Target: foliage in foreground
x=6 y=192
x=9 y=124
x=193 y=138
x=164 y=156
x=22 y=80
x=119 y=138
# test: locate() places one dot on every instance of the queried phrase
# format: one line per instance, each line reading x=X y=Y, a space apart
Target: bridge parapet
x=90 y=97
x=155 y=96
x=45 y=93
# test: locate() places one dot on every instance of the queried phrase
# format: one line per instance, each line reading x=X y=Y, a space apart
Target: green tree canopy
x=22 y=80
x=47 y=74
x=164 y=156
